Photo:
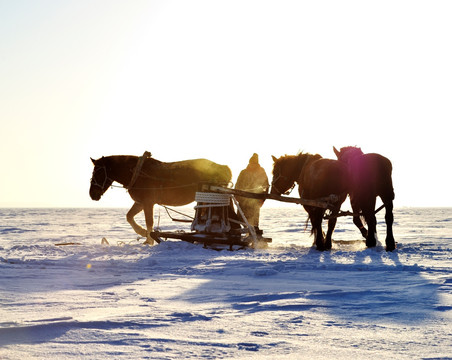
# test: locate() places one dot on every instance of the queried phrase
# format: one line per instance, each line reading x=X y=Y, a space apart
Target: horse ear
x=336 y=151
x=94 y=161
x=274 y=158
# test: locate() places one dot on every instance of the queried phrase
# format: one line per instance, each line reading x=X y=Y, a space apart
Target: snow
x=178 y=300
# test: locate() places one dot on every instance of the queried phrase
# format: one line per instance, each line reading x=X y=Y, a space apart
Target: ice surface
x=177 y=300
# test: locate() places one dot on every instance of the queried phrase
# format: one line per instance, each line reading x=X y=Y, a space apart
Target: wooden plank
x=324 y=203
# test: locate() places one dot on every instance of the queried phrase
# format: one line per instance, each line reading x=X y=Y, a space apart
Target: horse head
x=348 y=153
x=100 y=181
x=283 y=180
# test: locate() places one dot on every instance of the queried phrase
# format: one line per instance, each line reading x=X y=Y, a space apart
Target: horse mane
x=297 y=161
x=309 y=156
x=123 y=166
x=128 y=158
x=348 y=153
x=301 y=155
x=351 y=150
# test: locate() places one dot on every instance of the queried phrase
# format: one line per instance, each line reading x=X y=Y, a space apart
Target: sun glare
x=221 y=81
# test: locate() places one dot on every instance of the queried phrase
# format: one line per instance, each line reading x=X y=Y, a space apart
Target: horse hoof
x=390 y=247
x=371 y=244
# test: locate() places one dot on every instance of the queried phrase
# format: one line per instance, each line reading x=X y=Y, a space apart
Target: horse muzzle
x=95 y=194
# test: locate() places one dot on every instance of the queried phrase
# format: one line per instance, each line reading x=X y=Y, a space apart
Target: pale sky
x=221 y=80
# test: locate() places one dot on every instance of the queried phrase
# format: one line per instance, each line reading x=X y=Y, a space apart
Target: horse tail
x=312 y=218
x=391 y=194
x=314 y=232
x=306 y=224
x=388 y=188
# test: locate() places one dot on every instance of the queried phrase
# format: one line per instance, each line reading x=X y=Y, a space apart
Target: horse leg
x=149 y=217
x=331 y=225
x=316 y=216
x=134 y=210
x=369 y=215
x=357 y=219
x=389 y=219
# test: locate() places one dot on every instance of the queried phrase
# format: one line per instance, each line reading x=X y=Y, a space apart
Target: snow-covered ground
x=177 y=300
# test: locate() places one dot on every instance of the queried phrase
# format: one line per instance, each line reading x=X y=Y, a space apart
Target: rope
x=177 y=212
x=162 y=187
x=349 y=213
x=156 y=188
x=257 y=190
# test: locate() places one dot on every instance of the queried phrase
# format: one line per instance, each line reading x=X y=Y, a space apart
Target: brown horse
x=150 y=181
x=370 y=176
x=316 y=177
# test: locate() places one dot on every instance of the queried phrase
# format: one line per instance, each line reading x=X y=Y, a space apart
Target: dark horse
x=316 y=177
x=151 y=182
x=370 y=176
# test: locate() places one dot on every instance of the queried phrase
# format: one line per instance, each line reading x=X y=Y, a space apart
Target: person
x=253 y=179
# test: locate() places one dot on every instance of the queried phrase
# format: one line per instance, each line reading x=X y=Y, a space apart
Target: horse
x=317 y=177
x=370 y=176
x=150 y=181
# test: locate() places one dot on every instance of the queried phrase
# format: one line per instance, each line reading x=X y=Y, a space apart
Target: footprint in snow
x=145 y=299
x=248 y=346
x=186 y=316
x=259 y=333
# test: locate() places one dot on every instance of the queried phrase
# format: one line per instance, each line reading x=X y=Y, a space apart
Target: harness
x=285 y=178
x=106 y=178
x=137 y=170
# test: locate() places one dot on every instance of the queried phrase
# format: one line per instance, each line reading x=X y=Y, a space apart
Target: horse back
x=371 y=174
x=175 y=183
x=195 y=170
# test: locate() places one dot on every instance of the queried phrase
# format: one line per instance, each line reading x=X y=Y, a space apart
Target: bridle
x=287 y=192
x=106 y=179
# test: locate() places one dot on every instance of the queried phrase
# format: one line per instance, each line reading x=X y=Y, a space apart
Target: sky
x=220 y=80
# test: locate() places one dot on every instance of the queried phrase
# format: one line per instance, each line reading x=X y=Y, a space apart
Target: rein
x=157 y=188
